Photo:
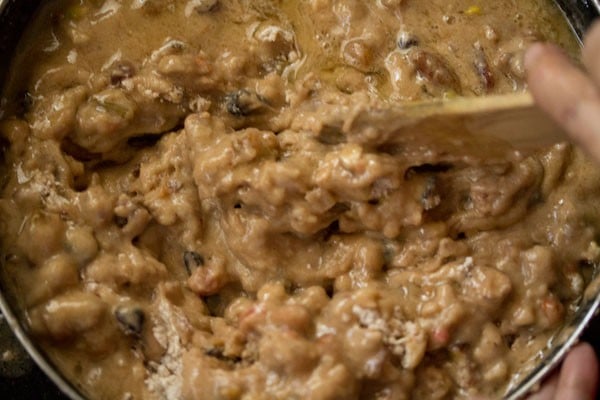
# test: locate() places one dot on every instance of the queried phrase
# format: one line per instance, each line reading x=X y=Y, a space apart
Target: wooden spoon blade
x=513 y=118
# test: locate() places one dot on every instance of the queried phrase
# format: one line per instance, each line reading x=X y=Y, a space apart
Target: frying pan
x=14 y=16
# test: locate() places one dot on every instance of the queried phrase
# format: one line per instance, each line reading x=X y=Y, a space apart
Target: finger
x=547 y=390
x=566 y=93
x=579 y=375
x=591 y=52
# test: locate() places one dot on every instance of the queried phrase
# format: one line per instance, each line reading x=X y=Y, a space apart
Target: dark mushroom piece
x=217 y=353
x=243 y=103
x=120 y=71
x=192 y=260
x=406 y=41
x=130 y=320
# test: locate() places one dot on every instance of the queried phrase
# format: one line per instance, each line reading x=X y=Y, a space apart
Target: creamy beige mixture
x=195 y=204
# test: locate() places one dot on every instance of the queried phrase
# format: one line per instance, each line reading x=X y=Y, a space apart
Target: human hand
x=576 y=380
x=570 y=95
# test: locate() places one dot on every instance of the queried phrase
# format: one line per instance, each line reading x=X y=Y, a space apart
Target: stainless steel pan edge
x=40 y=359
x=14 y=15
x=580 y=13
x=557 y=348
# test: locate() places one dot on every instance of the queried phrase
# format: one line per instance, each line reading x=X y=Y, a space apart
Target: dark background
x=32 y=386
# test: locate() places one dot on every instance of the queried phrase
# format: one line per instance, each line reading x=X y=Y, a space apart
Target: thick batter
x=192 y=209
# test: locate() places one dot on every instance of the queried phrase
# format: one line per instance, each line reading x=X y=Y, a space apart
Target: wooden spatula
x=512 y=117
